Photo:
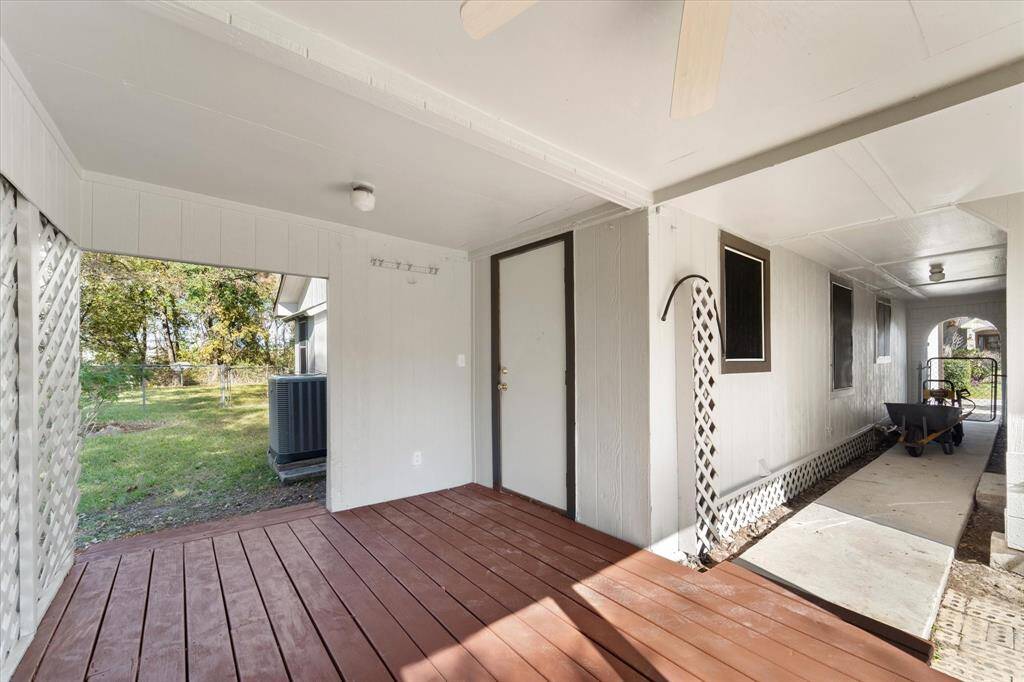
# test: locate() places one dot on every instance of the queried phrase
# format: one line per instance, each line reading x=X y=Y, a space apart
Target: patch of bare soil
x=149 y=515
x=971 y=574
x=116 y=428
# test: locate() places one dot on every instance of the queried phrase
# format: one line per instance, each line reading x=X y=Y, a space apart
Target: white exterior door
x=532 y=358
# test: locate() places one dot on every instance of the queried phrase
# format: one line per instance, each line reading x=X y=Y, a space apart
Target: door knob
x=503 y=386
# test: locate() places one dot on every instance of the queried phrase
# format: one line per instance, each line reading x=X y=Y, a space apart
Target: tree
x=136 y=311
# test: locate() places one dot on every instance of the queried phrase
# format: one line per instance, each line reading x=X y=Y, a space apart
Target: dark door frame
x=570 y=364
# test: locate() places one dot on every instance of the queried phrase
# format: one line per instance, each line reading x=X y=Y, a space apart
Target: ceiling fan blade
x=481 y=17
x=702 y=34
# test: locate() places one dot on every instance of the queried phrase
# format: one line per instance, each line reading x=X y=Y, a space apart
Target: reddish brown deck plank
x=303 y=651
x=549 y=644
x=117 y=650
x=468 y=582
x=508 y=562
x=401 y=655
x=67 y=656
x=33 y=656
x=210 y=656
x=532 y=653
x=589 y=654
x=352 y=653
x=256 y=654
x=446 y=653
x=695 y=649
x=163 y=639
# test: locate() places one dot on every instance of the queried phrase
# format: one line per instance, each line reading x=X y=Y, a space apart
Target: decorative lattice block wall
x=40 y=441
x=10 y=618
x=57 y=362
x=705 y=346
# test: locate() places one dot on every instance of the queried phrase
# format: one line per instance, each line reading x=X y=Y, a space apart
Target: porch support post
x=1013 y=400
x=27 y=232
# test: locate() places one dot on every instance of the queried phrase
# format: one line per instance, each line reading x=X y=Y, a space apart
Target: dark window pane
x=744 y=334
x=842 y=337
x=883 y=318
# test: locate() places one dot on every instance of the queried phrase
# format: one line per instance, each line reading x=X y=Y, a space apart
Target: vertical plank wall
x=612 y=365
x=765 y=421
x=612 y=378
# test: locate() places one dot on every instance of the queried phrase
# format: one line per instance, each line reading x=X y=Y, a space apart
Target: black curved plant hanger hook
x=718 y=320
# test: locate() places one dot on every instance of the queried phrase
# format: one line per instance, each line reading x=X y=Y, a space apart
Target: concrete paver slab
x=881 y=542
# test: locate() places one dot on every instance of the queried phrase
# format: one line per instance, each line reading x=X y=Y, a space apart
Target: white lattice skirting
x=754 y=501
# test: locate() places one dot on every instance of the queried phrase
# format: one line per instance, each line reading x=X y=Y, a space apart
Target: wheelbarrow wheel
x=947 y=447
x=915 y=450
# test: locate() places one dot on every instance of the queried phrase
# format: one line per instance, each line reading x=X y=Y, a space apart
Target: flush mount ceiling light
x=362 y=196
x=937 y=274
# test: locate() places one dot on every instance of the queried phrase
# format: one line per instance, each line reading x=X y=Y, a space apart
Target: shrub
x=958 y=372
x=100 y=385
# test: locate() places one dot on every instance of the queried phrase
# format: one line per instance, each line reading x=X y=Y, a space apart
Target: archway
x=967 y=352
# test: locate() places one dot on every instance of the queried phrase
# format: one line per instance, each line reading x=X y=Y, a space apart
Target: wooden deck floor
x=464 y=584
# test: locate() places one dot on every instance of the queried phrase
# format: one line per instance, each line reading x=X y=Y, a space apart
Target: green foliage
x=100 y=386
x=957 y=371
x=135 y=310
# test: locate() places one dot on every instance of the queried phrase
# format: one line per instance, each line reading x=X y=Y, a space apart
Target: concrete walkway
x=881 y=542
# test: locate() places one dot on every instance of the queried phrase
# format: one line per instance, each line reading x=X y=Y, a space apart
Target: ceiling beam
x=261 y=33
x=982 y=84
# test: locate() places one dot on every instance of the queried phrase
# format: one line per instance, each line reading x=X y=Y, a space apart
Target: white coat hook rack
x=403 y=266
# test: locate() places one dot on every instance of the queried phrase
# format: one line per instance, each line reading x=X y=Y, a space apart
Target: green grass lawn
x=198 y=461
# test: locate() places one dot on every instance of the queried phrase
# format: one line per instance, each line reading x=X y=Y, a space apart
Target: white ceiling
x=595 y=78
x=150 y=92
x=141 y=97
x=881 y=209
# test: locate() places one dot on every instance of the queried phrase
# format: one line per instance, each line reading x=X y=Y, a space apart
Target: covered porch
x=464 y=583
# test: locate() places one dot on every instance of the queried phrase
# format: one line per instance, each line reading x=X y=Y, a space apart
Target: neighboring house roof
x=298 y=296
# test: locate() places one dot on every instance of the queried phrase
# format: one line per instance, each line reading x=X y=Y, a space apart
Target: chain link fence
x=132 y=381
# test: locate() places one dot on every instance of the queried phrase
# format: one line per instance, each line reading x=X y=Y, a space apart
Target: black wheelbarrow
x=920 y=424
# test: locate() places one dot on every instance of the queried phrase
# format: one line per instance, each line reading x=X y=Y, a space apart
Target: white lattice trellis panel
x=705 y=344
x=10 y=556
x=59 y=441
x=748 y=505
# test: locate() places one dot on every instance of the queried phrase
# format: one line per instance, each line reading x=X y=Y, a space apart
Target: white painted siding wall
x=612 y=378
x=33 y=154
x=140 y=219
x=765 y=420
x=396 y=387
x=317 y=350
x=612 y=366
x=1008 y=213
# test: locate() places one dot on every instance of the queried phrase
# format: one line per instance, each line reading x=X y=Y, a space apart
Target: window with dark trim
x=842 y=334
x=746 y=305
x=883 y=329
